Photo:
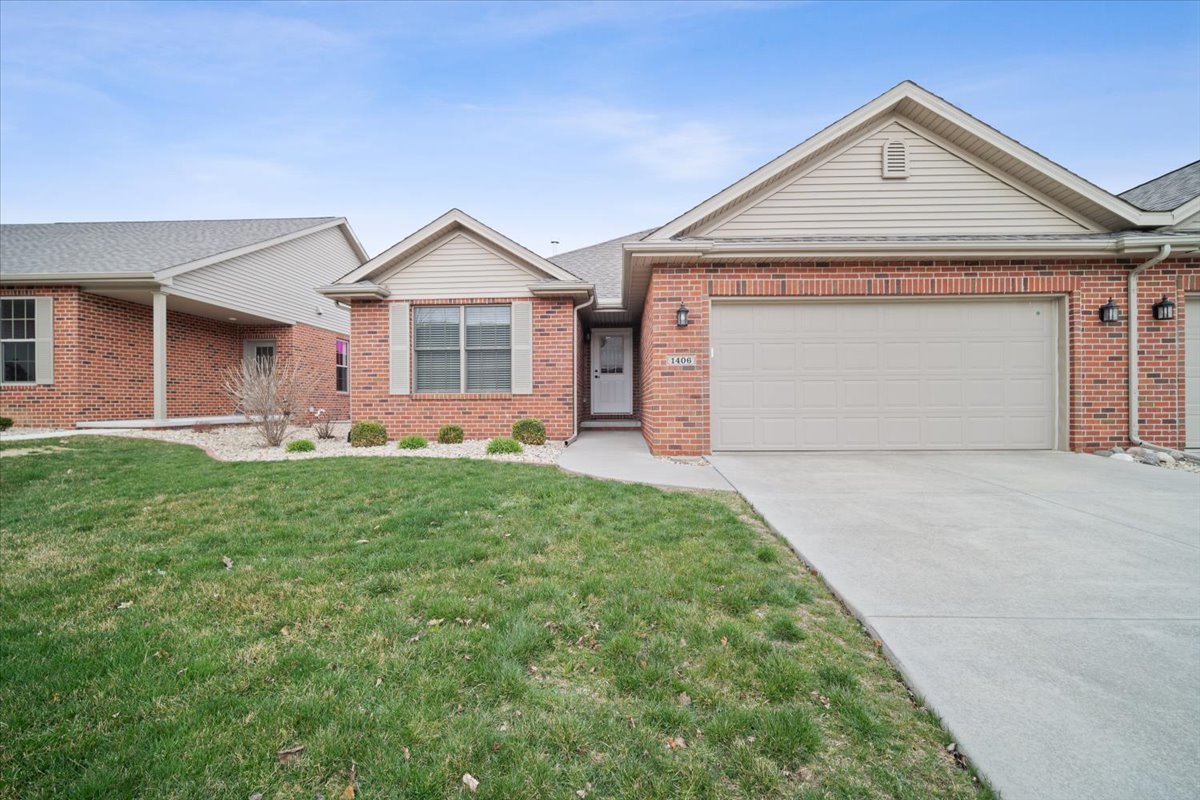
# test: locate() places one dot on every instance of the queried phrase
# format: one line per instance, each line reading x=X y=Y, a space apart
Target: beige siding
x=280 y=282
x=459 y=266
x=847 y=196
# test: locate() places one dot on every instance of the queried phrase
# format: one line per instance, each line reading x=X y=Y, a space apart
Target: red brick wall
x=481 y=415
x=315 y=349
x=103 y=362
x=675 y=404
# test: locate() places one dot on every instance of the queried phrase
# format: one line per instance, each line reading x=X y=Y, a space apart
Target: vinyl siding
x=847 y=196
x=458 y=267
x=280 y=282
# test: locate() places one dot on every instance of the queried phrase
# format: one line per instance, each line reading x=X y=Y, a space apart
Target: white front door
x=612 y=371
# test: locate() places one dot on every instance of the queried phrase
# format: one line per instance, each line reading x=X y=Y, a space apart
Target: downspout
x=1163 y=253
x=575 y=369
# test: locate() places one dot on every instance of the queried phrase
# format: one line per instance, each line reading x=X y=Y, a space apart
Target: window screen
x=436 y=344
x=342 y=366
x=489 y=348
x=18 y=329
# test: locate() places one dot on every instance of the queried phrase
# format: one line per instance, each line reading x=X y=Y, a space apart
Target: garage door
x=1191 y=389
x=966 y=374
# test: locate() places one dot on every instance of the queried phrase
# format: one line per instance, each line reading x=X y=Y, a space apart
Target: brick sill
x=452 y=397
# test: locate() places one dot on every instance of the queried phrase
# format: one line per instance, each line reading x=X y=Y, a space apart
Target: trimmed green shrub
x=412 y=443
x=450 y=434
x=301 y=446
x=368 y=434
x=529 y=431
x=502 y=444
x=6 y=423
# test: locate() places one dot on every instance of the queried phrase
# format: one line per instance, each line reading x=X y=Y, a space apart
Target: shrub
x=368 y=434
x=502 y=444
x=322 y=423
x=529 y=431
x=412 y=443
x=301 y=446
x=269 y=392
x=450 y=434
x=6 y=423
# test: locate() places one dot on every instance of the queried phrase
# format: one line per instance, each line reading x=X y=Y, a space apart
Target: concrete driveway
x=1046 y=605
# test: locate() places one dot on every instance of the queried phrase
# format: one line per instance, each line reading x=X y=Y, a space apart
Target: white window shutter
x=522 y=347
x=399 y=347
x=43 y=310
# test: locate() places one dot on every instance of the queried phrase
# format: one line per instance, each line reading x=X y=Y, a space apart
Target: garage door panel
x=819 y=394
x=775 y=357
x=858 y=356
x=875 y=375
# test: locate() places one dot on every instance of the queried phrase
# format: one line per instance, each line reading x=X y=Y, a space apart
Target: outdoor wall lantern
x=681 y=315
x=1164 y=309
x=1109 y=313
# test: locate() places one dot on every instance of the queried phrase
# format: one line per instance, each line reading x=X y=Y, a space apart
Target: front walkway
x=1046 y=605
x=624 y=456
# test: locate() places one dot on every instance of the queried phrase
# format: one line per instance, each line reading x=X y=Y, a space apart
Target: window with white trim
x=18 y=339
x=462 y=349
x=342 y=365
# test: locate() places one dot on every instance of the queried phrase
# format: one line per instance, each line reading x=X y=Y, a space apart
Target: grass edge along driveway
x=177 y=627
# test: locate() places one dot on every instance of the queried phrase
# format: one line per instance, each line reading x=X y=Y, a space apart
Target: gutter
x=575 y=368
x=1163 y=252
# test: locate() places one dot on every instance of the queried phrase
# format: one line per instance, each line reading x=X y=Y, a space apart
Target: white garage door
x=956 y=375
x=1191 y=388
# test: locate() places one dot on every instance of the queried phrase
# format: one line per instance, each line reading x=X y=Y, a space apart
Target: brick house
x=134 y=323
x=907 y=278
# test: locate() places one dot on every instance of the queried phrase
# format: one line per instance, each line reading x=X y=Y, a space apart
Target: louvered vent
x=895 y=159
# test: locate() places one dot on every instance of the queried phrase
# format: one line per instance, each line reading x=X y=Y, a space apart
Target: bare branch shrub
x=322 y=423
x=270 y=393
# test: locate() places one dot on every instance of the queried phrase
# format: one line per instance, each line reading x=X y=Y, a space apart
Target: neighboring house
x=908 y=278
x=138 y=321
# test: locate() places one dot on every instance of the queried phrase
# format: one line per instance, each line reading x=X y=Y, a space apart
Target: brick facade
x=675 y=400
x=481 y=415
x=103 y=362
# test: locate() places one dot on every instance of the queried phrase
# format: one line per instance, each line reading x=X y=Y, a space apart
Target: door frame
x=593 y=360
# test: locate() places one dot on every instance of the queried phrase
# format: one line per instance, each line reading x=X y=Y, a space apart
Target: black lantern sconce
x=1110 y=313
x=1164 y=309
x=681 y=315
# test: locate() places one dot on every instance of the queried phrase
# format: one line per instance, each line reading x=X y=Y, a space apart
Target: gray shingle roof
x=1166 y=192
x=135 y=247
x=599 y=264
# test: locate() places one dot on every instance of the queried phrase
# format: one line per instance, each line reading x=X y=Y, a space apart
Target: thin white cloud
x=675 y=149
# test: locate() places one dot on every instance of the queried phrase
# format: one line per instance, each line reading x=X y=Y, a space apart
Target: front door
x=612 y=371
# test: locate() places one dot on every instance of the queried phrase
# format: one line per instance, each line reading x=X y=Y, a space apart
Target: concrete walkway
x=1046 y=605
x=624 y=456
x=29 y=437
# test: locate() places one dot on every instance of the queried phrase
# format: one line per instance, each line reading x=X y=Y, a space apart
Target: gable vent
x=895 y=159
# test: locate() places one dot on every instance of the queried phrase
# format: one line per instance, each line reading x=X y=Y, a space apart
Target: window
x=18 y=335
x=462 y=348
x=342 y=367
x=262 y=350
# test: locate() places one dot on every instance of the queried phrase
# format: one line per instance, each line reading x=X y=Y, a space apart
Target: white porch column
x=160 y=355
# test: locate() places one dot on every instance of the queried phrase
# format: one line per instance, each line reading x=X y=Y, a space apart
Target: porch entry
x=612 y=370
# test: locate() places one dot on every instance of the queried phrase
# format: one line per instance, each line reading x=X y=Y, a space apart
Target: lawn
x=172 y=626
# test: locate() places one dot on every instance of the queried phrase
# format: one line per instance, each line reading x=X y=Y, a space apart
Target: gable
x=944 y=193
x=458 y=265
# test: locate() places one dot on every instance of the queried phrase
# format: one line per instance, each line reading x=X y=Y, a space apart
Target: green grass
x=537 y=630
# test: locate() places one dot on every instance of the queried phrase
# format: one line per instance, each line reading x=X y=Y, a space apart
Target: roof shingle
x=1166 y=192
x=599 y=264
x=131 y=247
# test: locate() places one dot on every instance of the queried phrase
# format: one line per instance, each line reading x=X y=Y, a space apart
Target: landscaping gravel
x=242 y=443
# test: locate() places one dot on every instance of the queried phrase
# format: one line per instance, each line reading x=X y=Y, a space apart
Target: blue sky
x=572 y=121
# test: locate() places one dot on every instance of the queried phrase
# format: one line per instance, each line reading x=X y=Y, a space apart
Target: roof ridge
x=625 y=238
